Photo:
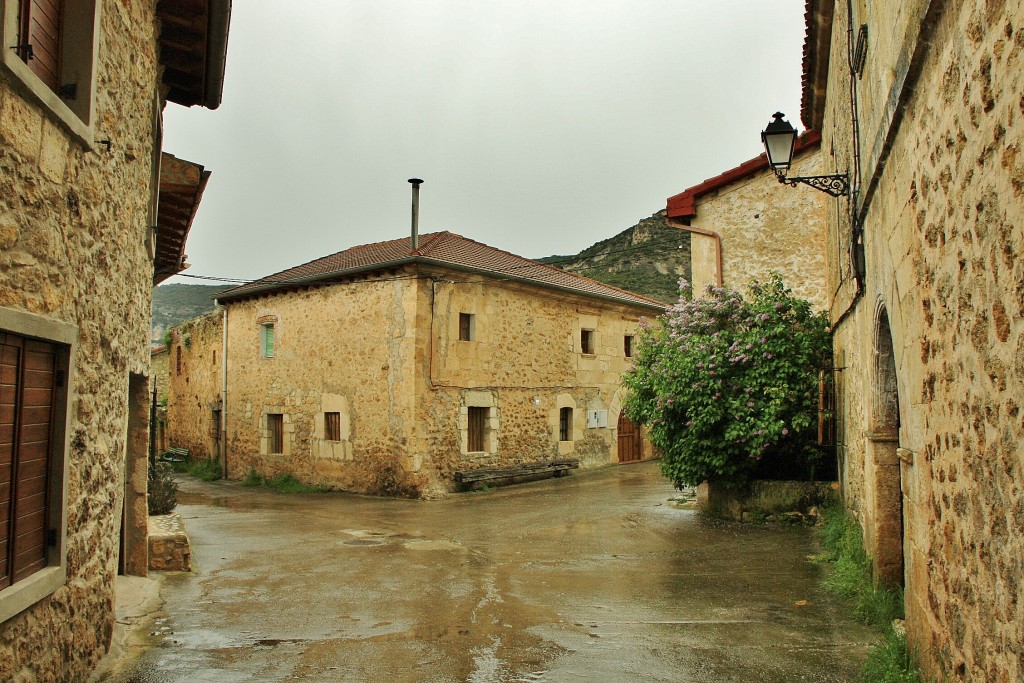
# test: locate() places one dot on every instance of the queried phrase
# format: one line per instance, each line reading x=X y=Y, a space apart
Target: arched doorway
x=631 y=446
x=887 y=526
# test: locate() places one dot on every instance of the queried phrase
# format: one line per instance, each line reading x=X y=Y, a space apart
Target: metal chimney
x=416 y=182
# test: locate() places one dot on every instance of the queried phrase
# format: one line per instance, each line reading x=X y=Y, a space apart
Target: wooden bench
x=557 y=468
x=173 y=454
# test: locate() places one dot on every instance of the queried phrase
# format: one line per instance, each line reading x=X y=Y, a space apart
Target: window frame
x=268 y=329
x=79 y=39
x=467 y=327
x=275 y=433
x=565 y=418
x=24 y=593
x=588 y=341
x=332 y=425
x=476 y=428
x=627 y=345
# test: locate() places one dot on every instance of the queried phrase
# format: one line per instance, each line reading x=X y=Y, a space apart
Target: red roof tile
x=444 y=249
x=684 y=204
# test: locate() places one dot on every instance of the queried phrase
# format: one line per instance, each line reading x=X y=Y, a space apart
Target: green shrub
x=253 y=479
x=163 y=490
x=728 y=387
x=207 y=470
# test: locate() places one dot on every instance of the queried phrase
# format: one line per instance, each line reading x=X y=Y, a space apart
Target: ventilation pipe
x=416 y=182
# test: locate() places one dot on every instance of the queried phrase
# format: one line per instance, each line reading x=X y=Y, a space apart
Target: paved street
x=594 y=577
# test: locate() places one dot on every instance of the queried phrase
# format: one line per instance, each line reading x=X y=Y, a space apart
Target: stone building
x=743 y=224
x=83 y=84
x=193 y=381
x=922 y=102
x=386 y=369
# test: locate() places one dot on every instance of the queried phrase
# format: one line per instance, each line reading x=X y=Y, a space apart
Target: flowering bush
x=728 y=387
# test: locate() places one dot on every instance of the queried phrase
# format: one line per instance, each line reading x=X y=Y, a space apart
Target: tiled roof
x=684 y=204
x=444 y=249
x=817 y=47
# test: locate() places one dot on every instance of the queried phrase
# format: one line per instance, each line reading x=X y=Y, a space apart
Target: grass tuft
x=287 y=483
x=252 y=479
x=890 y=661
x=207 y=470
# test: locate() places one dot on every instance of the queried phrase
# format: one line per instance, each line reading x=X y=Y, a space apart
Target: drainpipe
x=707 y=233
x=223 y=426
x=416 y=182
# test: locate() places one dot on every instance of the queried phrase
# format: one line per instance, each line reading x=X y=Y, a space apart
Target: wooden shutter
x=28 y=375
x=41 y=28
x=275 y=424
x=332 y=426
x=477 y=427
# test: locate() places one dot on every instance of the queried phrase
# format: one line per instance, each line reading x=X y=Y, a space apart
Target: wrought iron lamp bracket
x=837 y=185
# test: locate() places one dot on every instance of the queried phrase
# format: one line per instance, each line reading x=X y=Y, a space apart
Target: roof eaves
x=259 y=287
x=817 y=50
x=684 y=204
x=625 y=300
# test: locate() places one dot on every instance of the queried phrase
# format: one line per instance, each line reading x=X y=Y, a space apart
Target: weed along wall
x=932 y=351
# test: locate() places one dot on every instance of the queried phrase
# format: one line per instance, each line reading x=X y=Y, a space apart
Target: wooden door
x=630 y=440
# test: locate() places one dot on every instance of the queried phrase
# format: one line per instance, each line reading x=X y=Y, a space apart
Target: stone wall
x=932 y=354
x=74 y=225
x=194 y=391
x=764 y=226
x=385 y=355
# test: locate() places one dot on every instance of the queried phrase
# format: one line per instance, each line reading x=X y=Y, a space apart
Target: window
x=587 y=342
x=35 y=368
x=477 y=428
x=332 y=426
x=565 y=424
x=275 y=432
x=50 y=45
x=627 y=345
x=267 y=340
x=467 y=327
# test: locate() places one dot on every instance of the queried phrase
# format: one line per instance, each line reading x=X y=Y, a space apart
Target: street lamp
x=779 y=139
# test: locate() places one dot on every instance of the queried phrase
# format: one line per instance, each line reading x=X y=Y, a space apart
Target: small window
x=587 y=342
x=267 y=340
x=477 y=429
x=49 y=47
x=627 y=345
x=36 y=359
x=467 y=327
x=332 y=426
x=275 y=432
x=565 y=424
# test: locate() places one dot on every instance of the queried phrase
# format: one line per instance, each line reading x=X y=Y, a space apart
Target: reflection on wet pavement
x=596 y=577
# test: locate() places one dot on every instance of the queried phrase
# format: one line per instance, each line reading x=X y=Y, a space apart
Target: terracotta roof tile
x=441 y=248
x=684 y=204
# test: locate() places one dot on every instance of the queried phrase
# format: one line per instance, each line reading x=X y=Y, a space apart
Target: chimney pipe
x=416 y=182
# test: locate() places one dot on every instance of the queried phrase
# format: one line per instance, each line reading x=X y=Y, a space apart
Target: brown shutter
x=10 y=357
x=477 y=425
x=41 y=28
x=28 y=371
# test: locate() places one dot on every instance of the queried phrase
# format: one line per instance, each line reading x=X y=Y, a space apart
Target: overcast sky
x=538 y=126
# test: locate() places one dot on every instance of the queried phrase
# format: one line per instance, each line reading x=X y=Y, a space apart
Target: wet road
x=594 y=577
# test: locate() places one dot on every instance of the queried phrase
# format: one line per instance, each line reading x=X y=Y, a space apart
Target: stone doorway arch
x=886 y=530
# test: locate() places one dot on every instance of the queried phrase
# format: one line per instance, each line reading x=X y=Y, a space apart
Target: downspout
x=707 y=233
x=224 y=393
